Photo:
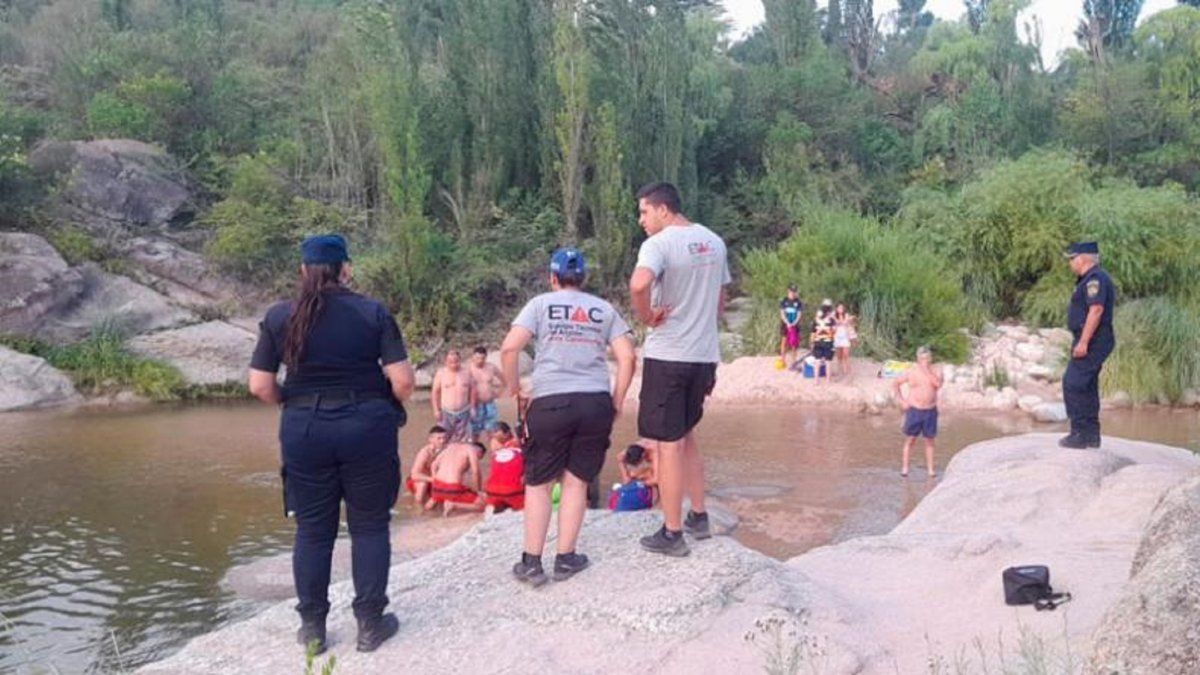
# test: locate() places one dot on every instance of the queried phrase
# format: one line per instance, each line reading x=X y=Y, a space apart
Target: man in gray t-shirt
x=574 y=405
x=677 y=290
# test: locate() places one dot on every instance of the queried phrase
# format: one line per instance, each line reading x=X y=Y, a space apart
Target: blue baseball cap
x=1081 y=247
x=568 y=263
x=324 y=249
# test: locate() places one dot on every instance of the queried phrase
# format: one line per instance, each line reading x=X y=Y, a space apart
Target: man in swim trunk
x=489 y=381
x=421 y=475
x=457 y=461
x=453 y=398
x=920 y=407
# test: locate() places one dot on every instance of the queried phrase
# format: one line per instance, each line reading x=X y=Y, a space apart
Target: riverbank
x=927 y=592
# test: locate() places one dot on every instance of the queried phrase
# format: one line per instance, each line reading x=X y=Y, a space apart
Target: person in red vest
x=505 y=485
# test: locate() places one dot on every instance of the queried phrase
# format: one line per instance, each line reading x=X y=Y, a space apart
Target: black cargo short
x=672 y=398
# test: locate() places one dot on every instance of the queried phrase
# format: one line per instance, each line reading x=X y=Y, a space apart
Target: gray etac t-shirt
x=572 y=330
x=690 y=266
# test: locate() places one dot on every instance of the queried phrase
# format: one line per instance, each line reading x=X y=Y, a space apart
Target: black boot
x=312 y=630
x=1073 y=441
x=375 y=631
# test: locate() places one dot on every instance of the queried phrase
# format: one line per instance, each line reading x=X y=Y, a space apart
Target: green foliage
x=75 y=245
x=903 y=294
x=145 y=108
x=101 y=364
x=1157 y=357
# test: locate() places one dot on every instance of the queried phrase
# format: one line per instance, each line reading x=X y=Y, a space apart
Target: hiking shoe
x=530 y=573
x=312 y=631
x=667 y=543
x=567 y=565
x=375 y=631
x=1093 y=442
x=696 y=524
x=1074 y=442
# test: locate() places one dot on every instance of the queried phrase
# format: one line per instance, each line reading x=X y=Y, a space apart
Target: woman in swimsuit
x=844 y=336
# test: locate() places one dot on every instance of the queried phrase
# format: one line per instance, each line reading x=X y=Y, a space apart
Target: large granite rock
x=207 y=353
x=116 y=183
x=181 y=275
x=37 y=283
x=111 y=300
x=29 y=382
x=1154 y=626
x=926 y=597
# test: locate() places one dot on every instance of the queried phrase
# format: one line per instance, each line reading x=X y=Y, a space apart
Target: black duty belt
x=332 y=399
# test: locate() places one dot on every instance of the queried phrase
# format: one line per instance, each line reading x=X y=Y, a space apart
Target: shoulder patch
x=1093 y=288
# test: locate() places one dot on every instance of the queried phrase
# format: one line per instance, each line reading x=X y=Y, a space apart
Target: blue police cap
x=568 y=262
x=324 y=249
x=1081 y=247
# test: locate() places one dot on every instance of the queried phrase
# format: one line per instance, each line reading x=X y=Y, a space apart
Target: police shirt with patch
x=572 y=331
x=1095 y=287
x=690 y=265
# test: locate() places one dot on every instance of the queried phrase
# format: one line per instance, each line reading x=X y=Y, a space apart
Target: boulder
x=179 y=274
x=1028 y=402
x=37 y=283
x=111 y=300
x=207 y=353
x=1050 y=412
x=1030 y=352
x=462 y=612
x=1154 y=626
x=29 y=382
x=115 y=184
x=1038 y=371
x=1005 y=399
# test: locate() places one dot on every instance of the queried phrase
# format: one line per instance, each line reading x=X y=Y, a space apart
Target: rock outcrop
x=37 y=283
x=1154 y=625
x=29 y=382
x=214 y=352
x=922 y=596
x=116 y=183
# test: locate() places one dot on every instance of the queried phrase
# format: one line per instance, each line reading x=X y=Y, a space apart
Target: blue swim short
x=486 y=417
x=919 y=422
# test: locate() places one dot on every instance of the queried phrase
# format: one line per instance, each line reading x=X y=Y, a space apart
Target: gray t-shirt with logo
x=572 y=330
x=690 y=265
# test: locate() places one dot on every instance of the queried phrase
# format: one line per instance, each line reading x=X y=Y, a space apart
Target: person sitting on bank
x=638 y=488
x=453 y=398
x=506 y=474
x=791 y=310
x=347 y=376
x=920 y=407
x=457 y=466
x=821 y=341
x=421 y=475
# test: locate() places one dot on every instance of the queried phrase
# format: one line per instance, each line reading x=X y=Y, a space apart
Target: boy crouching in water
x=638 y=489
x=506 y=477
x=421 y=475
x=457 y=461
x=920 y=406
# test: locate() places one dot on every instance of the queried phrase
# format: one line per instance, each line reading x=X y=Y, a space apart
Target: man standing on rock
x=677 y=290
x=1090 y=319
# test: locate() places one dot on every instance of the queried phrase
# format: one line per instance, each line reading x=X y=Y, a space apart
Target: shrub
x=75 y=245
x=904 y=295
x=1158 y=351
x=146 y=108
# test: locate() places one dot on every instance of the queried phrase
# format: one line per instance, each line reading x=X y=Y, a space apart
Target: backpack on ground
x=1030 y=585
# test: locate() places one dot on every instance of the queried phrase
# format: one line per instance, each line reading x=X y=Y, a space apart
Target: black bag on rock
x=1030 y=585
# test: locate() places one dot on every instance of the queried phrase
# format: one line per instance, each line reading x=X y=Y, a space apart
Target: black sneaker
x=1073 y=441
x=567 y=565
x=530 y=573
x=312 y=631
x=696 y=524
x=374 y=632
x=667 y=543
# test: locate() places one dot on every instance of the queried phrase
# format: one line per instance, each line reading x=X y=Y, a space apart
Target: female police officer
x=347 y=371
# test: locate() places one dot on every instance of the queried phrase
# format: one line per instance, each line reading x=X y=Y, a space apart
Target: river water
x=116 y=527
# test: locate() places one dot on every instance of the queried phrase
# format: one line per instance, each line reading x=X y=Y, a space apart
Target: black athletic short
x=823 y=350
x=568 y=431
x=672 y=398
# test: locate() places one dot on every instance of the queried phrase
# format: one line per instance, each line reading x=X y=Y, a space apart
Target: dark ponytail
x=316 y=280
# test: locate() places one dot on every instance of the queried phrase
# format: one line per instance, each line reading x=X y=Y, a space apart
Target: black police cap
x=1081 y=247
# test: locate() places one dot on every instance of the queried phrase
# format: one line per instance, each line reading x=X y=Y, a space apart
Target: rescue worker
x=1090 y=319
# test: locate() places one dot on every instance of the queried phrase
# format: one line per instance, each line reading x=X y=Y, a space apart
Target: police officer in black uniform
x=1090 y=318
x=347 y=373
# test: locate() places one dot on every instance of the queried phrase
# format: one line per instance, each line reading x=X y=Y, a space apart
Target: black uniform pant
x=332 y=453
x=1081 y=390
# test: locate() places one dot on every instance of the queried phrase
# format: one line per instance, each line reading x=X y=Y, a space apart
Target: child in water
x=638 y=488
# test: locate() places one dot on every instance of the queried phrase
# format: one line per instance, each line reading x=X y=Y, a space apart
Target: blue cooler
x=810 y=368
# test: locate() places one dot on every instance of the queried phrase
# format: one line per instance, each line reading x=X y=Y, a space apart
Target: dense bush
x=1157 y=357
x=903 y=294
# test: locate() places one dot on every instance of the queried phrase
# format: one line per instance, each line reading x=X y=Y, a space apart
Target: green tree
x=572 y=71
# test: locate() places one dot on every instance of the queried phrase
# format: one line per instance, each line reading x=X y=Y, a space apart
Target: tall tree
x=862 y=36
x=1107 y=24
x=834 y=29
x=793 y=27
x=976 y=13
x=572 y=69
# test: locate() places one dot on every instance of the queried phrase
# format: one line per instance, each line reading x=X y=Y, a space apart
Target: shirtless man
x=488 y=382
x=456 y=462
x=421 y=475
x=919 y=406
x=453 y=398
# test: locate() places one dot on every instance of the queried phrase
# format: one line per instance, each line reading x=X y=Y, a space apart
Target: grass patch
x=1157 y=357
